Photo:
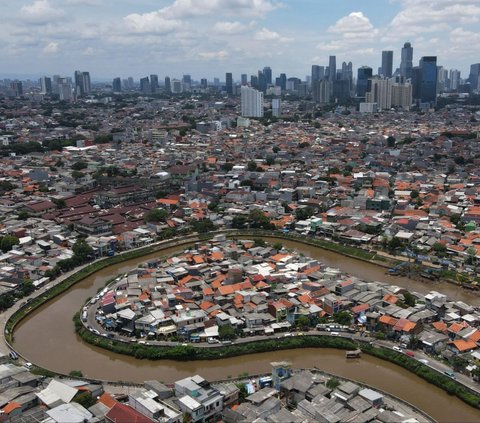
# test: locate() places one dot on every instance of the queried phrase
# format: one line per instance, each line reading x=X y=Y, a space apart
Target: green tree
x=439 y=248
x=77 y=174
x=156 y=215
x=251 y=166
x=303 y=213
x=391 y=141
x=394 y=244
x=226 y=332
x=82 y=251
x=7 y=242
x=203 y=226
x=227 y=167
x=76 y=373
x=333 y=383
x=414 y=194
x=85 y=399
x=342 y=318
x=79 y=165
x=6 y=301
x=459 y=363
x=409 y=299
x=303 y=322
x=277 y=246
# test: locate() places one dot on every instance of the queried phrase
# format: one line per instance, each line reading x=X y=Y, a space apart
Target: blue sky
x=206 y=38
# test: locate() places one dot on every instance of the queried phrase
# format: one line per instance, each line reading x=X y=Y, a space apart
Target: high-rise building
x=318 y=73
x=364 y=74
x=428 y=82
x=168 y=85
x=267 y=73
x=154 y=83
x=145 y=87
x=387 y=63
x=442 y=79
x=204 y=83
x=474 y=77
x=262 y=82
x=229 y=83
x=321 y=91
x=276 y=107
x=282 y=79
x=401 y=93
x=87 y=84
x=187 y=82
x=254 y=81
x=82 y=83
x=251 y=102
x=406 y=63
x=177 y=86
x=45 y=85
x=379 y=92
x=244 y=79
x=17 y=88
x=117 y=85
x=65 y=90
x=332 y=68
x=454 y=79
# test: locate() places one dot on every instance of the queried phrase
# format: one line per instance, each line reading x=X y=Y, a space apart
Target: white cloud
x=41 y=12
x=229 y=28
x=353 y=23
x=266 y=35
x=152 y=22
x=213 y=55
x=51 y=48
x=184 y=8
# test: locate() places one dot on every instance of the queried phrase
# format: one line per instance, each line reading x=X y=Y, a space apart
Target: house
x=93 y=226
x=121 y=413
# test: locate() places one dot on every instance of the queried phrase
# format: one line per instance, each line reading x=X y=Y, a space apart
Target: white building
x=380 y=93
x=251 y=102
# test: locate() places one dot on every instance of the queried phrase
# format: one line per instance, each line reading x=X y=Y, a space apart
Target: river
x=47 y=338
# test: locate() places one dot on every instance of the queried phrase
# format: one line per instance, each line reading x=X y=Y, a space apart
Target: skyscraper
x=406 y=63
x=154 y=83
x=428 y=83
x=318 y=73
x=145 y=87
x=46 y=85
x=244 y=79
x=380 y=93
x=168 y=85
x=364 y=73
x=204 y=83
x=283 y=81
x=117 y=85
x=87 y=85
x=267 y=73
x=17 y=88
x=78 y=77
x=321 y=91
x=387 y=63
x=251 y=102
x=401 y=92
x=332 y=68
x=229 y=83
x=262 y=83
x=474 y=77
x=454 y=79
x=186 y=82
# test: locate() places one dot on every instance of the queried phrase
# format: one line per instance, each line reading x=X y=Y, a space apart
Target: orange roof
x=10 y=407
x=207 y=291
x=217 y=256
x=440 y=326
x=261 y=285
x=305 y=299
x=457 y=327
x=278 y=257
x=462 y=345
x=390 y=298
x=388 y=320
x=475 y=336
x=167 y=201
x=198 y=259
x=205 y=305
x=107 y=400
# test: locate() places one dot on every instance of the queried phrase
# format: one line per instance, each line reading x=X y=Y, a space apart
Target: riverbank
x=191 y=241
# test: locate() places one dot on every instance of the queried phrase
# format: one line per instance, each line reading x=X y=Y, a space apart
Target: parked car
x=410 y=353
x=396 y=348
x=449 y=373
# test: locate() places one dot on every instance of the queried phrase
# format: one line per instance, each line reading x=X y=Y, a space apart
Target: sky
x=206 y=38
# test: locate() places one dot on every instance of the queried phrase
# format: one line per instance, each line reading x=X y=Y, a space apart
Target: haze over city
x=209 y=38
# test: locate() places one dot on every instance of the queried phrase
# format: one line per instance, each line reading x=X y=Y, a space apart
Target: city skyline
x=174 y=37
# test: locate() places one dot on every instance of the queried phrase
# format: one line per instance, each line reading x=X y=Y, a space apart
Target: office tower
x=428 y=82
x=229 y=83
x=216 y=82
x=168 y=85
x=251 y=102
x=474 y=77
x=379 y=92
x=87 y=85
x=406 y=63
x=17 y=88
x=204 y=83
x=318 y=73
x=177 y=86
x=364 y=73
x=332 y=68
x=244 y=79
x=454 y=79
x=78 y=77
x=401 y=93
x=387 y=63
x=267 y=72
x=131 y=83
x=187 y=82
x=347 y=71
x=276 y=107
x=65 y=90
x=145 y=87
x=283 y=81
x=154 y=83
x=254 y=81
x=341 y=89
x=45 y=85
x=117 y=85
x=416 y=81
x=321 y=91
x=262 y=82
x=442 y=79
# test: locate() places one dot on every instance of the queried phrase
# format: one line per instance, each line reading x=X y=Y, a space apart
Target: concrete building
x=251 y=102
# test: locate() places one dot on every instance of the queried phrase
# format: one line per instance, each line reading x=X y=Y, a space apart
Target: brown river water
x=47 y=338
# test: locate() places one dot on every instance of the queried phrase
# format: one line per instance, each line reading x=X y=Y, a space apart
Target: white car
x=397 y=348
x=423 y=360
x=28 y=365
